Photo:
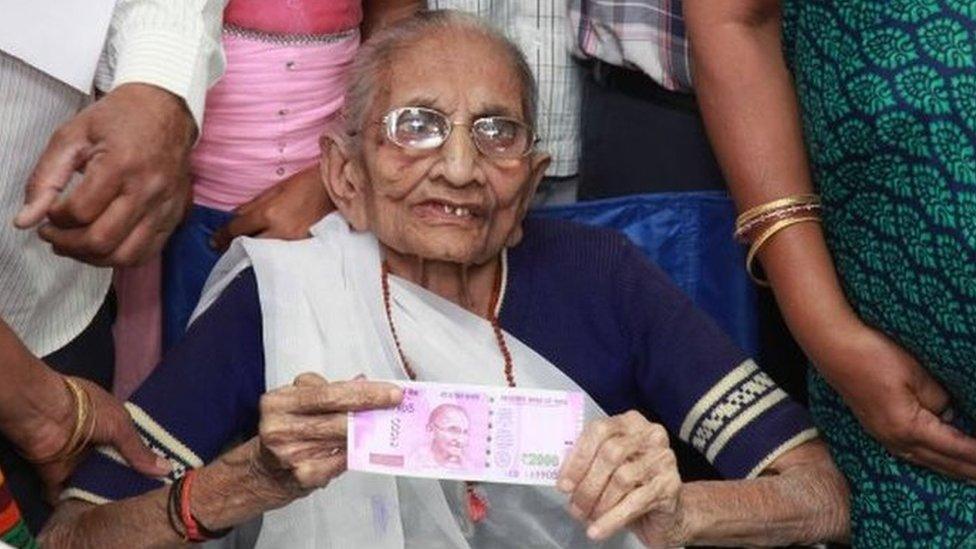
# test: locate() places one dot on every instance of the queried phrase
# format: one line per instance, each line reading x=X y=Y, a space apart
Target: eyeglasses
x=423 y=129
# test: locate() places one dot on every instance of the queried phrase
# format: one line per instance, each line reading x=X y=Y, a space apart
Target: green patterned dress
x=888 y=96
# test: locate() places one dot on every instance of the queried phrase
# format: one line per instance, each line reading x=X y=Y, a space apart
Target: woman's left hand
x=622 y=469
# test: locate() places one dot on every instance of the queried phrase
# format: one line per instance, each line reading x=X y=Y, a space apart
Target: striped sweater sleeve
x=173 y=44
x=705 y=390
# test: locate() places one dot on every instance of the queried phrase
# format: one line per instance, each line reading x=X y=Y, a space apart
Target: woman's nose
x=460 y=157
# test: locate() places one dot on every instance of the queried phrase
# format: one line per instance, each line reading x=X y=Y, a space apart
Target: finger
x=584 y=451
x=310 y=379
x=931 y=433
x=145 y=242
x=94 y=243
x=347 y=396
x=626 y=478
x=65 y=153
x=635 y=504
x=954 y=468
x=931 y=395
x=126 y=440
x=102 y=183
x=611 y=455
x=317 y=473
x=242 y=225
x=282 y=429
x=630 y=476
x=260 y=200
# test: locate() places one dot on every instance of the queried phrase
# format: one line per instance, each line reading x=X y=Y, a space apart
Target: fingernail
x=565 y=485
x=396 y=394
x=593 y=532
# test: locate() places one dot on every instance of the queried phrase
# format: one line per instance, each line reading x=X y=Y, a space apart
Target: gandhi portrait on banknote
x=448 y=430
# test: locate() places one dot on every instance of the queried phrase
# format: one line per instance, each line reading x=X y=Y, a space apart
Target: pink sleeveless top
x=285 y=77
x=294 y=16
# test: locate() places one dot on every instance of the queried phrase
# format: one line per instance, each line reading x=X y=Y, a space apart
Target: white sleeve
x=173 y=44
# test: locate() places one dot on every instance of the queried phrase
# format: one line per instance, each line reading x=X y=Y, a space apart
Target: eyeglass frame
x=389 y=119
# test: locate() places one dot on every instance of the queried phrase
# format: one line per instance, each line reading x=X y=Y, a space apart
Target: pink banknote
x=468 y=432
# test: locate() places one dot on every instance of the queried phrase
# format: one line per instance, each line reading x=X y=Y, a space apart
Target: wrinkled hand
x=899 y=403
x=623 y=473
x=302 y=431
x=285 y=211
x=113 y=427
x=131 y=147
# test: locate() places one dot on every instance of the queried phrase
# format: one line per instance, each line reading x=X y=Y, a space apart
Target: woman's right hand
x=898 y=402
x=302 y=430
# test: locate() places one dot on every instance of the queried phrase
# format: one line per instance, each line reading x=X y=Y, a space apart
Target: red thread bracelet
x=190 y=523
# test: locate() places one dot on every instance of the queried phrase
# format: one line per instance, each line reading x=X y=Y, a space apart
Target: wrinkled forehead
x=452 y=71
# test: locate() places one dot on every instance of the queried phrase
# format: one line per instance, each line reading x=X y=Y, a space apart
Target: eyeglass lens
x=494 y=136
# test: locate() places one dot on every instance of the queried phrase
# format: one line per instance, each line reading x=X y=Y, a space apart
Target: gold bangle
x=764 y=238
x=785 y=202
x=79 y=437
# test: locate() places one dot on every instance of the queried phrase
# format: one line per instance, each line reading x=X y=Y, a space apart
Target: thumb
x=51 y=175
x=139 y=456
x=931 y=395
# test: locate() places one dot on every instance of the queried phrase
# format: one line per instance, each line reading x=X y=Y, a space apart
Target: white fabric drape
x=322 y=311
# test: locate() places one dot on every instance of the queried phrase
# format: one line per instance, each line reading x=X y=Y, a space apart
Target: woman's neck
x=470 y=286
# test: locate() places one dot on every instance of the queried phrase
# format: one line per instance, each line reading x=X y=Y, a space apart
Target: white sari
x=322 y=310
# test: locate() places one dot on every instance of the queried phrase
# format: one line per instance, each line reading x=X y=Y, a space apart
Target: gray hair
x=372 y=63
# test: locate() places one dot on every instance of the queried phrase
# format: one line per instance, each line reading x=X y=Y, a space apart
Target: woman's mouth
x=443 y=212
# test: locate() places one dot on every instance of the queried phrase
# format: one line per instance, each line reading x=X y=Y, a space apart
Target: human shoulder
x=584 y=253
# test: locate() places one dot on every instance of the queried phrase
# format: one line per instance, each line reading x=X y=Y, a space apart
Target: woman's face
x=451 y=203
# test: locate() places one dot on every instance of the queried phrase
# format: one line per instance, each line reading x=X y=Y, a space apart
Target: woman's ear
x=343 y=179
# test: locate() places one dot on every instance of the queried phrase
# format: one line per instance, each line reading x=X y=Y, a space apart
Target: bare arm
x=803 y=499
x=302 y=433
x=227 y=492
x=379 y=13
x=622 y=472
x=37 y=414
x=752 y=118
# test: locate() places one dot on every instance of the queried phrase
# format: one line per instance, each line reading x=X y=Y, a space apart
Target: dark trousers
x=91 y=355
x=637 y=138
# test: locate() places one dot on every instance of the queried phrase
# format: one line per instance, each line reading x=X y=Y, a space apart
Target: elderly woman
x=429 y=271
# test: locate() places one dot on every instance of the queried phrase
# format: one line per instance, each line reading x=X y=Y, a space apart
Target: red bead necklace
x=477 y=506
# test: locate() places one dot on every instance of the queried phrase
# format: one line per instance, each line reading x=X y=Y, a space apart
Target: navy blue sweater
x=584 y=298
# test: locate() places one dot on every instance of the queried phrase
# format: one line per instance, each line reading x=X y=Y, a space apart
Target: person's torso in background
x=888 y=98
x=541 y=31
x=294 y=17
x=285 y=76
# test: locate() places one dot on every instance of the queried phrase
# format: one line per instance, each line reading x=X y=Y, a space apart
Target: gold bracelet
x=786 y=202
x=80 y=436
x=764 y=238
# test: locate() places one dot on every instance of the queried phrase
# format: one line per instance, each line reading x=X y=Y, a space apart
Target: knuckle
x=658 y=434
x=63 y=135
x=899 y=433
x=267 y=405
x=613 y=452
x=78 y=212
x=625 y=478
x=98 y=243
x=600 y=428
x=634 y=417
